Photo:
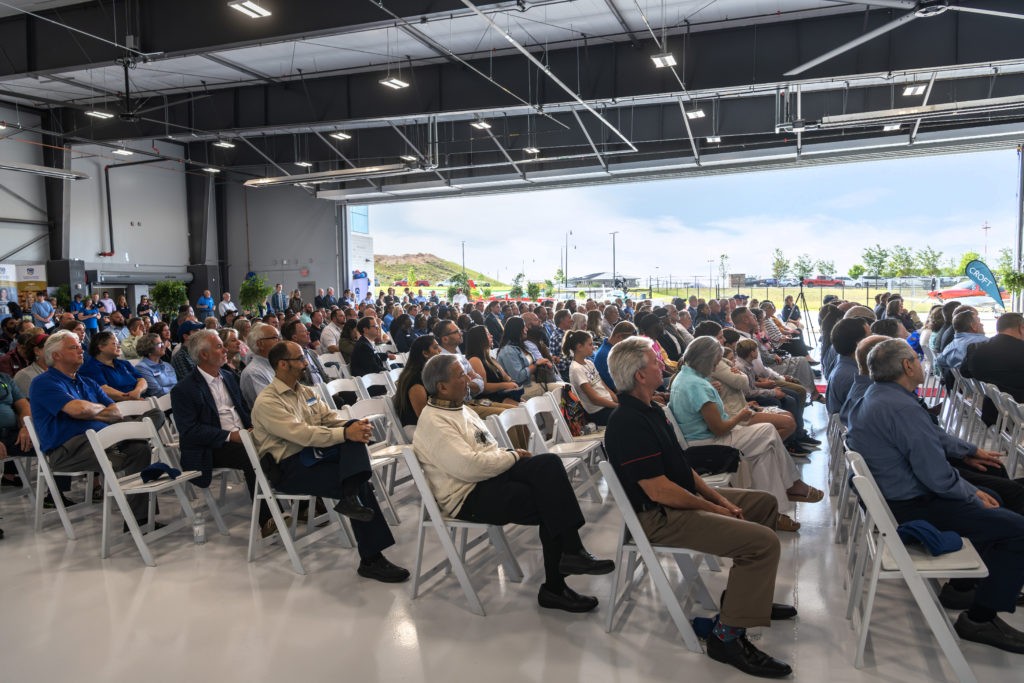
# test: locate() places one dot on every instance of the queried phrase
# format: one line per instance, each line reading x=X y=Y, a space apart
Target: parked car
x=768 y=282
x=963 y=290
x=789 y=282
x=400 y=283
x=422 y=283
x=822 y=281
x=845 y=281
x=869 y=281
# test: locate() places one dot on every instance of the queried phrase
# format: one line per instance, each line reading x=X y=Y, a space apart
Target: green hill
x=428 y=267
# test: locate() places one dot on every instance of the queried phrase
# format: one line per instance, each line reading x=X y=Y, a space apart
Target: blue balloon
x=983 y=277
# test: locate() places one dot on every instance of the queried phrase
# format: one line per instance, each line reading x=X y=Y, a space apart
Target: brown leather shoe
x=786 y=523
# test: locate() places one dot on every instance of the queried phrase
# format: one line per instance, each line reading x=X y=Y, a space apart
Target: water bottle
x=198 y=527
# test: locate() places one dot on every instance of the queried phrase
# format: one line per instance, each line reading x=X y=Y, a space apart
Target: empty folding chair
x=351 y=390
x=453 y=534
x=287 y=534
x=499 y=426
x=377 y=379
x=636 y=552
x=335 y=365
x=117 y=489
x=45 y=481
x=886 y=557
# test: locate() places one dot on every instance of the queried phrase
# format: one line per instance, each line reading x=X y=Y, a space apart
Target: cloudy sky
x=673 y=227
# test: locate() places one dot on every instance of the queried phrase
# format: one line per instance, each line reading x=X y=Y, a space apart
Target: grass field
x=914 y=298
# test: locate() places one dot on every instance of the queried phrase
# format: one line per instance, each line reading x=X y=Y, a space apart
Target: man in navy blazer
x=210 y=414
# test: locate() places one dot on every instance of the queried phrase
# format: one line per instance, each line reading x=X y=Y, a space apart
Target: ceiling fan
x=919 y=9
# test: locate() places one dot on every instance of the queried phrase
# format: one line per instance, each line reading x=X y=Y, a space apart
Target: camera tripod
x=801 y=303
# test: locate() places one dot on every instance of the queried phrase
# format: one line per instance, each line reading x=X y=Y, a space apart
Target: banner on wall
x=31 y=279
x=8 y=288
x=360 y=286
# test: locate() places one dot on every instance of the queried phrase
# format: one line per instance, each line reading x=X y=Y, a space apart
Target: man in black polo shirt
x=677 y=508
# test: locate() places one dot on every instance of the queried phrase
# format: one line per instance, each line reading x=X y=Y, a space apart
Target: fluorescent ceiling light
x=664 y=59
x=480 y=124
x=99 y=114
x=407 y=157
x=890 y=127
x=124 y=152
x=212 y=170
x=341 y=136
x=303 y=164
x=695 y=114
x=45 y=171
x=224 y=143
x=714 y=138
x=531 y=150
x=336 y=176
x=393 y=83
x=249 y=9
x=912 y=90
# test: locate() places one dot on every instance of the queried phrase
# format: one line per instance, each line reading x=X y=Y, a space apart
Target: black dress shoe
x=14 y=481
x=380 y=569
x=582 y=562
x=809 y=440
x=50 y=505
x=566 y=599
x=353 y=509
x=996 y=633
x=780 y=611
x=741 y=654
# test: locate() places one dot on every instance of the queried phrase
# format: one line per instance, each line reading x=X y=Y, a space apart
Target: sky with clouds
x=672 y=227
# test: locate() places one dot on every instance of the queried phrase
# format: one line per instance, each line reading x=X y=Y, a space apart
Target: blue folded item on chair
x=937 y=542
x=157 y=470
x=702 y=626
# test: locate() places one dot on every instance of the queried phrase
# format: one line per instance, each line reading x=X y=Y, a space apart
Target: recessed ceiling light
x=393 y=83
x=99 y=114
x=407 y=157
x=714 y=138
x=224 y=143
x=664 y=59
x=695 y=114
x=123 y=152
x=912 y=90
x=531 y=150
x=212 y=170
x=249 y=9
x=341 y=136
x=303 y=164
x=480 y=124
x=890 y=127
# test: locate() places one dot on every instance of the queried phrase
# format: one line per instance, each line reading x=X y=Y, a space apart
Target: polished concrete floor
x=205 y=614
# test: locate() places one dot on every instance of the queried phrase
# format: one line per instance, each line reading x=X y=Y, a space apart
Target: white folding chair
x=329 y=389
x=384 y=454
x=287 y=534
x=119 y=488
x=135 y=408
x=134 y=361
x=377 y=379
x=45 y=482
x=394 y=374
x=335 y=365
x=713 y=480
x=1012 y=434
x=886 y=557
x=453 y=535
x=834 y=433
x=634 y=546
x=575 y=466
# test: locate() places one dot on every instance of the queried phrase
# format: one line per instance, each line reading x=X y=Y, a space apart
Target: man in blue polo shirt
x=42 y=311
x=204 y=306
x=622 y=330
x=65 y=406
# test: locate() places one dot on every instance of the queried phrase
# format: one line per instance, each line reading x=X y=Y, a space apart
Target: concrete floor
x=206 y=614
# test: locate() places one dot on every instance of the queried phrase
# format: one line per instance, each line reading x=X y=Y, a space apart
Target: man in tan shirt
x=321 y=454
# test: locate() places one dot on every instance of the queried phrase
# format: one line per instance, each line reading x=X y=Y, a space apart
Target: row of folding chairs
x=962 y=416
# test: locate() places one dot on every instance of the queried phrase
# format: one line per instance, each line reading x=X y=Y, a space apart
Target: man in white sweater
x=475 y=480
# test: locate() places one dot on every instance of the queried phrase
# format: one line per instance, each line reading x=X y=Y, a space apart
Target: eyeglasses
x=262 y=339
x=296 y=358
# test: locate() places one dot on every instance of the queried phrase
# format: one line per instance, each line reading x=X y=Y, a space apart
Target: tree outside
x=803 y=267
x=827 y=268
x=856 y=271
x=928 y=260
x=901 y=262
x=875 y=260
x=780 y=264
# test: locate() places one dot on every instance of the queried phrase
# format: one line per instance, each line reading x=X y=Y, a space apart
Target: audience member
x=136 y=328
x=258 y=373
x=518 y=363
x=473 y=479
x=315 y=373
x=159 y=375
x=598 y=401
x=331 y=334
x=226 y=305
x=622 y=330
x=366 y=360
x=320 y=454
x=118 y=378
x=498 y=386
x=181 y=361
x=31 y=348
x=676 y=508
x=999 y=361
x=845 y=336
x=204 y=305
x=410 y=396
x=968 y=330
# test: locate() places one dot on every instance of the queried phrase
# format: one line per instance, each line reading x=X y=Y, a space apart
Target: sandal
x=813 y=495
x=786 y=523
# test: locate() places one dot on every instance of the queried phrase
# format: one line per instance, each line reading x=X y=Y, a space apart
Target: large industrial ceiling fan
x=919 y=9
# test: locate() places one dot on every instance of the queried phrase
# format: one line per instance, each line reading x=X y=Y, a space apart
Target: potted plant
x=253 y=293
x=167 y=296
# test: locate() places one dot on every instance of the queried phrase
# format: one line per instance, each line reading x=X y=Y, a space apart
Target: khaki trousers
x=751 y=543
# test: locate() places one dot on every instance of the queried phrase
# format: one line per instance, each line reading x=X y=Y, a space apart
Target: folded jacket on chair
x=937 y=542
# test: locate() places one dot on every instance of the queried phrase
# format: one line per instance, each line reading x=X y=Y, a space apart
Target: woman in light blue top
x=701 y=416
x=159 y=375
x=516 y=360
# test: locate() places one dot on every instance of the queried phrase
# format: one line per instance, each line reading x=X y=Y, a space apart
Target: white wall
x=361 y=255
x=277 y=232
x=149 y=210
x=16 y=146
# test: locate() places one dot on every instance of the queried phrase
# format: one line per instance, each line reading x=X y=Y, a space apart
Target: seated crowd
x=724 y=374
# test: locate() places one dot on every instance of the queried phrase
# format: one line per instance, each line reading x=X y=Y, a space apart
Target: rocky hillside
x=390 y=268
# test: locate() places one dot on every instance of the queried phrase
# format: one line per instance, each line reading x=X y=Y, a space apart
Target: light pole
x=613 y=234
x=710 y=263
x=463 y=258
